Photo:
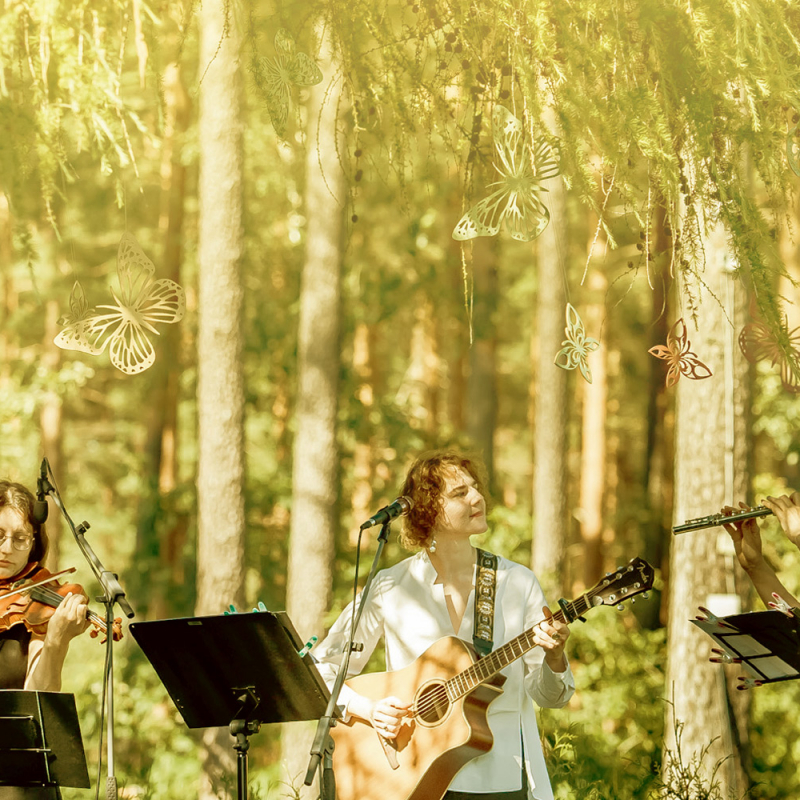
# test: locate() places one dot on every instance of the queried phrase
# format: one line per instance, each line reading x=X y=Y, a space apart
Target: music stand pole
x=322 y=746
x=241 y=728
x=113 y=593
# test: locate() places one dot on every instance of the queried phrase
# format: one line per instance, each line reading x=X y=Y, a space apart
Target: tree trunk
x=220 y=392
x=482 y=383
x=704 y=436
x=315 y=479
x=50 y=416
x=363 y=454
x=161 y=447
x=550 y=417
x=593 y=440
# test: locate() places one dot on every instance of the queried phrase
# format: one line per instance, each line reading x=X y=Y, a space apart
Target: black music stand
x=40 y=743
x=766 y=643
x=237 y=670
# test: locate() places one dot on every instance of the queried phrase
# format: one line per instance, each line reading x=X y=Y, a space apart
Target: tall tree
x=315 y=463
x=593 y=441
x=482 y=382
x=696 y=689
x=550 y=420
x=220 y=391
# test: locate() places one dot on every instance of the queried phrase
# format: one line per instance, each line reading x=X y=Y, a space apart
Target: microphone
x=40 y=509
x=395 y=509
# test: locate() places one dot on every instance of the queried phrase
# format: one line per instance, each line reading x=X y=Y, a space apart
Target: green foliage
x=607 y=742
x=61 y=84
x=669 y=105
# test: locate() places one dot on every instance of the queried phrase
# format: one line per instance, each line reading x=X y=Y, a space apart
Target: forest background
x=334 y=329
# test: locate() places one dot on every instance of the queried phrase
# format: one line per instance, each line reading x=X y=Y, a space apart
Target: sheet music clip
x=766 y=643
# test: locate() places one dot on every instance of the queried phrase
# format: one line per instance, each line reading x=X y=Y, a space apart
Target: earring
x=432 y=545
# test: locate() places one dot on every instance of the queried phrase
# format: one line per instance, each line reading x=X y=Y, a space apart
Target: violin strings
x=54 y=597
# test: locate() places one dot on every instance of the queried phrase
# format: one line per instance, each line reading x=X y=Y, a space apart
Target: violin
x=32 y=601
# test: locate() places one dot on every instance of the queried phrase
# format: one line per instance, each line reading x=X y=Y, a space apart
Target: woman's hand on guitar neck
x=387 y=714
x=551 y=635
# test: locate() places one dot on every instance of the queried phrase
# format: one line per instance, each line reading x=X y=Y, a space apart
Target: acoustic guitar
x=452 y=689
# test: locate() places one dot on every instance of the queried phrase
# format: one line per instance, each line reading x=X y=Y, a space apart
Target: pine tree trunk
x=50 y=417
x=593 y=440
x=220 y=394
x=703 y=484
x=315 y=474
x=482 y=383
x=550 y=418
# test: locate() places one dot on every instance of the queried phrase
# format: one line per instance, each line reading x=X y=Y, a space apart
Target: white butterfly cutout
x=577 y=346
x=290 y=67
x=515 y=201
x=142 y=302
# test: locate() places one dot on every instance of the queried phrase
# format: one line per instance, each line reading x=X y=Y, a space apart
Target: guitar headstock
x=626 y=582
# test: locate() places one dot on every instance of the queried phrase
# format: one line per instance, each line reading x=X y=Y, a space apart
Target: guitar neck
x=488 y=666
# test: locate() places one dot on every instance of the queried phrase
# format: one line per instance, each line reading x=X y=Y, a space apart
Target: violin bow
x=30 y=586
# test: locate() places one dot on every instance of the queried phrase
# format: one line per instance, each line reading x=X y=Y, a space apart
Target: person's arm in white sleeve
x=548 y=677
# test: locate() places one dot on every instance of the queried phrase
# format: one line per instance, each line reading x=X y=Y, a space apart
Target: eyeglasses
x=17 y=542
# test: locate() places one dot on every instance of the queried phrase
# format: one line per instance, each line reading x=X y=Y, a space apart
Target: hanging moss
x=690 y=103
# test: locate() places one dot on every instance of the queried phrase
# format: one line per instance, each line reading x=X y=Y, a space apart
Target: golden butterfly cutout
x=758 y=343
x=681 y=360
x=577 y=346
x=289 y=68
x=515 y=201
x=142 y=302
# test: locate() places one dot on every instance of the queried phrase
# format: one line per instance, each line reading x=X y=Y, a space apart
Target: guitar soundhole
x=432 y=704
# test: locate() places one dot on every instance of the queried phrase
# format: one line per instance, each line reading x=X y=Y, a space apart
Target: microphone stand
x=112 y=594
x=322 y=746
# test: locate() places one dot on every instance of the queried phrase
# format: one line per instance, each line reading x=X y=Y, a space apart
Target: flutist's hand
x=787 y=509
x=746 y=539
x=747 y=544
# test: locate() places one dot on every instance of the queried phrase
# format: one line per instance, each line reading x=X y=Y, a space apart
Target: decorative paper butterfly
x=682 y=361
x=71 y=338
x=290 y=67
x=515 y=201
x=794 y=164
x=577 y=346
x=141 y=303
x=758 y=343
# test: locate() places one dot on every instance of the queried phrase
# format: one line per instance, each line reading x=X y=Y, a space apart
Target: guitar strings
x=441 y=695
x=467 y=676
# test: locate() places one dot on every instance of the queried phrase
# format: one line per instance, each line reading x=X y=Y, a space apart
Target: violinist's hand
x=787 y=509
x=68 y=621
x=551 y=635
x=387 y=716
x=746 y=539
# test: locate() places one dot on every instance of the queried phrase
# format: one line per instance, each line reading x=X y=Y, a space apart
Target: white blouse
x=408 y=609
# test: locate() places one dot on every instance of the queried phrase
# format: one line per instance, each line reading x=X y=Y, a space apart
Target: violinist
x=31 y=656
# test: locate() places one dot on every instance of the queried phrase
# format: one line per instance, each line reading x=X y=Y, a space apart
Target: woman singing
x=432 y=595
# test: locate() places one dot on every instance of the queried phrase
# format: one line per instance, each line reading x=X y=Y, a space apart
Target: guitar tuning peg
x=645 y=595
x=620 y=607
x=633 y=599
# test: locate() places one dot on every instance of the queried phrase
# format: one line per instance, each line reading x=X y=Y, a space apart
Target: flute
x=720 y=519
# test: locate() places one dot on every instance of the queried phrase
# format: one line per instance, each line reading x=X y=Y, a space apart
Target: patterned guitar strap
x=485 y=591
